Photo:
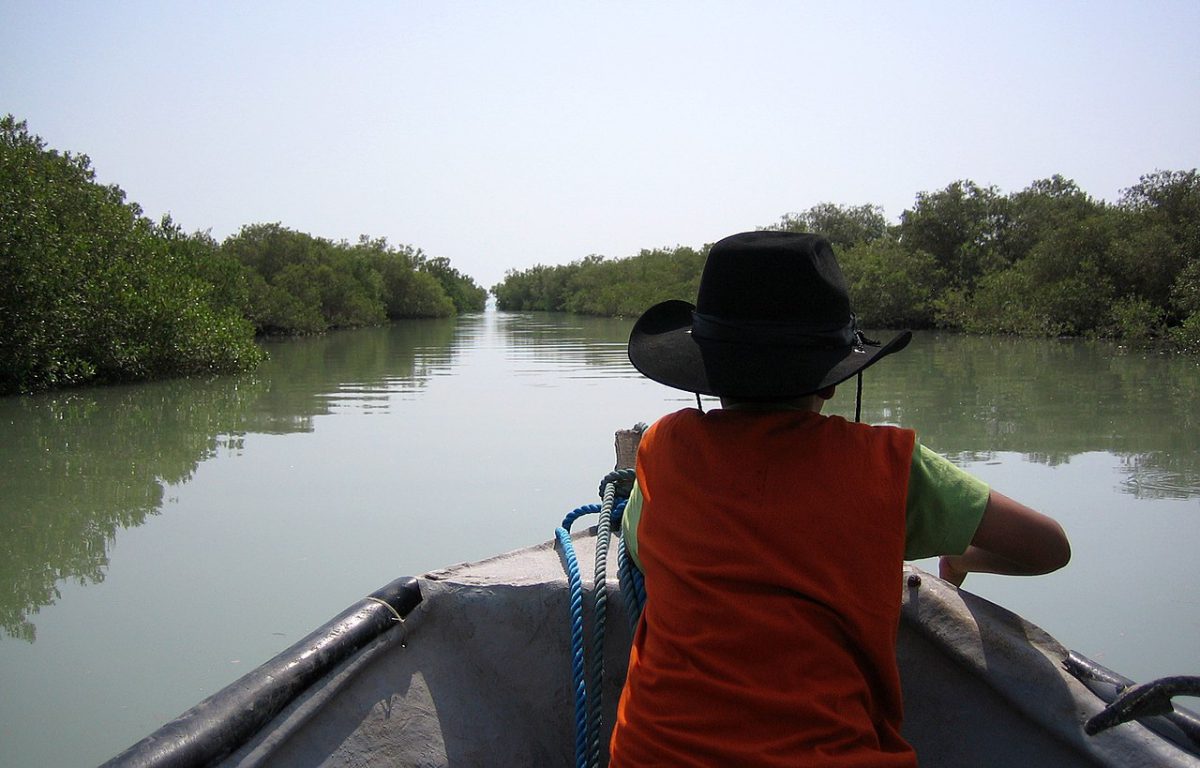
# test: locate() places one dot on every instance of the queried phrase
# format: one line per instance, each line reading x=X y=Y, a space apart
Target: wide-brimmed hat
x=772 y=319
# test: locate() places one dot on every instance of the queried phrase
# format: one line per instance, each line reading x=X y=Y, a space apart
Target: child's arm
x=1011 y=539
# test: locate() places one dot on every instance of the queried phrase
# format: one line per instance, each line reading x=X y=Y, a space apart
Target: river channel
x=158 y=541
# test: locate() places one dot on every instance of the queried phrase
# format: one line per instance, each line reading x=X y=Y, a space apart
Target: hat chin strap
x=858 y=399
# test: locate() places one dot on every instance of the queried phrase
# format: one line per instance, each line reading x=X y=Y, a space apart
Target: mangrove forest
x=1047 y=261
x=93 y=291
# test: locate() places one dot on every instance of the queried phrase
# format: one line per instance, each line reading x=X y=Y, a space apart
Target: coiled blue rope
x=589 y=708
x=575 y=596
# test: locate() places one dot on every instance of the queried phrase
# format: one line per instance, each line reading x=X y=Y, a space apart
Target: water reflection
x=971 y=398
x=573 y=346
x=1049 y=401
x=362 y=369
x=78 y=466
x=59 y=503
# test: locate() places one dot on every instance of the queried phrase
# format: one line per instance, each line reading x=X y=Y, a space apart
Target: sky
x=501 y=135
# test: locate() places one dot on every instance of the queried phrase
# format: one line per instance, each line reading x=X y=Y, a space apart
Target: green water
x=160 y=540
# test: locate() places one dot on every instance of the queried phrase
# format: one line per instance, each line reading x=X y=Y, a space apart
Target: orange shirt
x=772 y=546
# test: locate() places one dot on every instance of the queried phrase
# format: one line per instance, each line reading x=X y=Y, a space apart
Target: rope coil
x=614 y=490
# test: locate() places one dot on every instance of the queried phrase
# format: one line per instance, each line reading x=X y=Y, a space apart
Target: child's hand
x=950 y=570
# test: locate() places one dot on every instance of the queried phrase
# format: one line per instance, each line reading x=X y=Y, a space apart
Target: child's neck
x=812 y=403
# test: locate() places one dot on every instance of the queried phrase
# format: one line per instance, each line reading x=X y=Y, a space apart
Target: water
x=160 y=540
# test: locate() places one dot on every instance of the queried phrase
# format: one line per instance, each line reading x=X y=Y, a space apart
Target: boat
x=479 y=664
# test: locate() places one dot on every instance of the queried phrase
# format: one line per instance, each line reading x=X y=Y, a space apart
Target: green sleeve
x=629 y=523
x=945 y=505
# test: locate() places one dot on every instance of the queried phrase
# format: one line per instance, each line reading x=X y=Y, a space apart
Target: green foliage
x=227 y=281
x=462 y=290
x=1048 y=260
x=405 y=289
x=957 y=226
x=91 y=290
x=1061 y=288
x=599 y=286
x=308 y=284
x=538 y=288
x=1186 y=336
x=1163 y=262
x=1185 y=293
x=416 y=294
x=844 y=226
x=1134 y=319
x=892 y=286
x=625 y=287
x=299 y=284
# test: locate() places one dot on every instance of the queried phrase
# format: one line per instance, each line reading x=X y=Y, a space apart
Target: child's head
x=772 y=321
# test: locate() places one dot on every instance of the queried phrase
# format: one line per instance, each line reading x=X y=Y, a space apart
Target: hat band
x=767 y=332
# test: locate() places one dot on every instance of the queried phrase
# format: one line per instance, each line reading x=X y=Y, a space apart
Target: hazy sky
x=504 y=134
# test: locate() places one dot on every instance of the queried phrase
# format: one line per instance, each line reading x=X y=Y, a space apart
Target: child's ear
x=827 y=393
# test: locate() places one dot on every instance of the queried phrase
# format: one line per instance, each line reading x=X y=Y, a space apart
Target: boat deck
x=478 y=675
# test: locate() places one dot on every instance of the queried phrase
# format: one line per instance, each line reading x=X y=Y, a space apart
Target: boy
x=772 y=537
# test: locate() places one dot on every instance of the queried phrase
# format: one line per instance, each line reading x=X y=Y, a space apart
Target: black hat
x=772 y=320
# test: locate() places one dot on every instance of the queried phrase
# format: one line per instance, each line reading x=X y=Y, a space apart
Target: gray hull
x=478 y=674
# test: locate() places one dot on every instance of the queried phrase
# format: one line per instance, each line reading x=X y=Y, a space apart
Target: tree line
x=91 y=290
x=1049 y=260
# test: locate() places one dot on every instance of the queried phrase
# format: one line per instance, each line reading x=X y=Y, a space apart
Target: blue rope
x=589 y=709
x=575 y=596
